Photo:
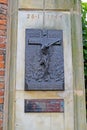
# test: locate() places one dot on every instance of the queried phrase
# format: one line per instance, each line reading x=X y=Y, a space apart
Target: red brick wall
x=3 y=41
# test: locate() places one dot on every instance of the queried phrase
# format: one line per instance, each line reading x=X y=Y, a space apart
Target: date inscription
x=47 y=16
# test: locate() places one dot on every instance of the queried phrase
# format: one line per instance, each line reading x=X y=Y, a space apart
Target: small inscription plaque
x=44 y=63
x=44 y=105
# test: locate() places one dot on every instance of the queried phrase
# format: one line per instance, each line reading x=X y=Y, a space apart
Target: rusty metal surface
x=44 y=105
x=44 y=64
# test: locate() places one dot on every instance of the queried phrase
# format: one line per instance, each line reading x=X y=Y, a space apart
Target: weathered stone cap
x=48 y=4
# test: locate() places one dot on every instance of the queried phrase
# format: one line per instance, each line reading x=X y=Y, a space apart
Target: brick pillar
x=3 y=41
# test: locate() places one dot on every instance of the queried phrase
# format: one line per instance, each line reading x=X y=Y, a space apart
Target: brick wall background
x=3 y=41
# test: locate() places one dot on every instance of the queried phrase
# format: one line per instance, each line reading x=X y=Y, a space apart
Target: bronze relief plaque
x=44 y=62
x=44 y=105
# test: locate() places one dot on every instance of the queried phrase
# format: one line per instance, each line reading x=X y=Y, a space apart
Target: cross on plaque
x=44 y=64
x=45 y=38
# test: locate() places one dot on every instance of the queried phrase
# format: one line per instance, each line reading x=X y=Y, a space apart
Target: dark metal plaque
x=44 y=105
x=44 y=63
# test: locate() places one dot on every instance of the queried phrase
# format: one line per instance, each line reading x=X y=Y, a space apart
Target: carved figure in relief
x=44 y=59
x=44 y=62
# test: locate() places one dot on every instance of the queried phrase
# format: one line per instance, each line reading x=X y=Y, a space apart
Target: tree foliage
x=84 y=30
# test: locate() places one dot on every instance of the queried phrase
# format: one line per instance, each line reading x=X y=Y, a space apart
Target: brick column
x=3 y=41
